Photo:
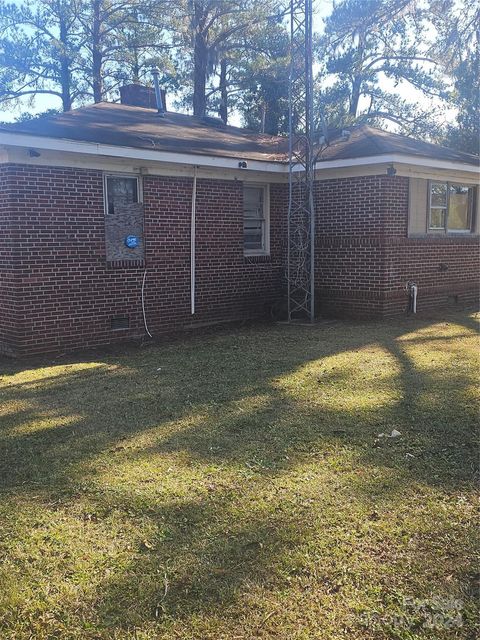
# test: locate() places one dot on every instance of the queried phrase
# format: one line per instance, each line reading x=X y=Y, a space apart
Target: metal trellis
x=301 y=212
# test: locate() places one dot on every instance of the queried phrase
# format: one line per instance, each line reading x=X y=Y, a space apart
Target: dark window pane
x=121 y=191
x=253 y=202
x=253 y=218
x=459 y=211
x=253 y=234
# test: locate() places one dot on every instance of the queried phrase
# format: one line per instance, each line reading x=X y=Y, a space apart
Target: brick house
x=114 y=217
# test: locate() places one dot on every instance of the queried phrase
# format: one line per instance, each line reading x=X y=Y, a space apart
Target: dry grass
x=234 y=486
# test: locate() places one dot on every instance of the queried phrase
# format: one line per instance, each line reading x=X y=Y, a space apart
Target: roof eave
x=399 y=158
x=219 y=161
x=132 y=153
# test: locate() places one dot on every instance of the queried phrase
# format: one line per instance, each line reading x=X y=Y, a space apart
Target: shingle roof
x=137 y=127
x=368 y=141
x=127 y=126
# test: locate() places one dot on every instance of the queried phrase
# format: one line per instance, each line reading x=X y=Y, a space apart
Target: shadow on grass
x=233 y=401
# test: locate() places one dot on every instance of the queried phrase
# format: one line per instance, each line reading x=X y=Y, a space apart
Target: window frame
x=471 y=212
x=265 y=251
x=112 y=174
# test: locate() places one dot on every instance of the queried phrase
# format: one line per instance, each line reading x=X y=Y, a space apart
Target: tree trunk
x=97 y=58
x=199 y=76
x=263 y=116
x=65 y=71
x=355 y=99
x=200 y=58
x=136 y=66
x=223 y=110
x=357 y=77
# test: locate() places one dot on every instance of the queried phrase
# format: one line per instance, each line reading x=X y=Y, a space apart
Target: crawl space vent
x=119 y=322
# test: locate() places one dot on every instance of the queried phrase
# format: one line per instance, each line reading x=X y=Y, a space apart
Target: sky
x=322 y=9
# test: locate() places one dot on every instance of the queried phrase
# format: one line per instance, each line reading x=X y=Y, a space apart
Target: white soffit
x=113 y=151
x=398 y=158
x=91 y=148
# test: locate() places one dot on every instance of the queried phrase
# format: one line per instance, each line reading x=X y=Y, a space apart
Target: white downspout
x=192 y=242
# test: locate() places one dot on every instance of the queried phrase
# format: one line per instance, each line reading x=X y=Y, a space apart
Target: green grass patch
x=236 y=485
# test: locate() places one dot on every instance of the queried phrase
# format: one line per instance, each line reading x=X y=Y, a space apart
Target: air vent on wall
x=119 y=322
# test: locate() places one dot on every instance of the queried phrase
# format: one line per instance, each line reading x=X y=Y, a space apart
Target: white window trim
x=113 y=174
x=266 y=212
x=445 y=230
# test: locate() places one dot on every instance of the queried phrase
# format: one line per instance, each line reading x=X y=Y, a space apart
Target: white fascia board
x=400 y=159
x=113 y=151
x=222 y=162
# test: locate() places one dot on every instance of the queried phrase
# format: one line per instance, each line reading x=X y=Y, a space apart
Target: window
x=255 y=220
x=124 y=240
x=460 y=207
x=438 y=205
x=120 y=190
x=451 y=207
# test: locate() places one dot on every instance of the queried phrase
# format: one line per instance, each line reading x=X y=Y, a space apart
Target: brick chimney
x=138 y=95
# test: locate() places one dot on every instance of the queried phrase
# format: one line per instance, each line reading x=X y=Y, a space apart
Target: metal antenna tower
x=301 y=211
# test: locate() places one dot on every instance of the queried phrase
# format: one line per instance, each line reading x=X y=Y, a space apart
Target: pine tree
x=120 y=38
x=457 y=49
x=211 y=34
x=76 y=50
x=367 y=45
x=262 y=77
x=39 y=51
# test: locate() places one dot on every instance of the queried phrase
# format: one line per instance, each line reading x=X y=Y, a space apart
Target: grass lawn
x=233 y=486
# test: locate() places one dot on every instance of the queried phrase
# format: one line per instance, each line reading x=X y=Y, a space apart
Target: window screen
x=254 y=219
x=121 y=190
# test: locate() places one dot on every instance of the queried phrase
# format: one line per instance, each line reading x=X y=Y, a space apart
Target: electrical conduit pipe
x=192 y=242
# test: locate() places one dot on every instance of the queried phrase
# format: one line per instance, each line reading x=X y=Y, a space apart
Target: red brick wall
x=9 y=328
x=349 y=248
x=65 y=291
x=445 y=270
x=364 y=258
x=59 y=292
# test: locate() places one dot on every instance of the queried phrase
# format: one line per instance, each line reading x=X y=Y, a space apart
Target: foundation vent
x=119 y=322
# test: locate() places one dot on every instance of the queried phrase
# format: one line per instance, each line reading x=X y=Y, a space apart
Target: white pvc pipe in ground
x=143 y=305
x=414 y=294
